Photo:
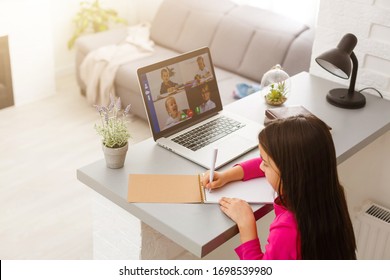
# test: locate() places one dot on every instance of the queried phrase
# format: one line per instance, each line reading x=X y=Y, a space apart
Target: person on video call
x=167 y=86
x=204 y=72
x=207 y=103
x=175 y=115
x=197 y=80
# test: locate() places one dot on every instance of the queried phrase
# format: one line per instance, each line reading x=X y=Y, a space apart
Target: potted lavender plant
x=114 y=132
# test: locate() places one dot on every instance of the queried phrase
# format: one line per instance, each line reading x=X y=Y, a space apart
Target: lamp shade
x=342 y=62
x=338 y=60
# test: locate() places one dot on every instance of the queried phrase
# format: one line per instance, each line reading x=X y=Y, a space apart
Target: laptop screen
x=179 y=91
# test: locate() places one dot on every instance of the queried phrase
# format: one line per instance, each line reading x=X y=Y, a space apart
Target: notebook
x=170 y=188
x=184 y=106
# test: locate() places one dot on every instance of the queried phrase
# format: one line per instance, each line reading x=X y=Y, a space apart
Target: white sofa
x=245 y=42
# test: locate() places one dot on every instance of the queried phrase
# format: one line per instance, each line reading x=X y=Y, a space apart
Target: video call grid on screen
x=187 y=92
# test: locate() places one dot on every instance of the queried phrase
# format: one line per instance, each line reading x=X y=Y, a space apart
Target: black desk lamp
x=338 y=62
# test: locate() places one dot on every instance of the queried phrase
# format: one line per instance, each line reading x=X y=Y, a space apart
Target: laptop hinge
x=191 y=124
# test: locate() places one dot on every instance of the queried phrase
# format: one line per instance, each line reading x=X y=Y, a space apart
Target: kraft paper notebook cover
x=163 y=188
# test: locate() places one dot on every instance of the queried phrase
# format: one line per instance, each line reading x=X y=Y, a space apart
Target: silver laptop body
x=181 y=95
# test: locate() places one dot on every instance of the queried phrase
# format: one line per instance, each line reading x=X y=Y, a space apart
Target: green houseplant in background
x=114 y=132
x=92 y=17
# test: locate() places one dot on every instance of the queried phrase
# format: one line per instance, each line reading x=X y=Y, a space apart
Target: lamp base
x=341 y=98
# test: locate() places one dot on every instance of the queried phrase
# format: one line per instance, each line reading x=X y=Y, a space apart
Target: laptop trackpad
x=233 y=147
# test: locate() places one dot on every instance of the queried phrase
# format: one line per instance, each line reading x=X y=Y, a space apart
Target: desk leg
x=118 y=235
x=156 y=246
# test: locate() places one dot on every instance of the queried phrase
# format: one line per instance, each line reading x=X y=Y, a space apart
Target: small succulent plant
x=277 y=94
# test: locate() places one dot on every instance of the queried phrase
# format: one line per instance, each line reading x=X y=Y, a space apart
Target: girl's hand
x=218 y=180
x=222 y=178
x=236 y=209
x=241 y=213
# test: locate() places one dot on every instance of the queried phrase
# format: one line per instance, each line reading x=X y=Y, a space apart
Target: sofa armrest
x=90 y=42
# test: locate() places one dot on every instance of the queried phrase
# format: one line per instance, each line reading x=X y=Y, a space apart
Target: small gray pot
x=115 y=157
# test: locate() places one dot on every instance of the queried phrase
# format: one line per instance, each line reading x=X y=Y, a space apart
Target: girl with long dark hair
x=297 y=156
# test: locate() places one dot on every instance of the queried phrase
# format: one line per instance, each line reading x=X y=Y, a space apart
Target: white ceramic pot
x=115 y=157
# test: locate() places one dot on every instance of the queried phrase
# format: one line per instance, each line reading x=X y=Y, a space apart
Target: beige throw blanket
x=100 y=66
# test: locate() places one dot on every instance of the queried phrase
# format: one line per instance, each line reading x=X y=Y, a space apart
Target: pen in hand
x=213 y=161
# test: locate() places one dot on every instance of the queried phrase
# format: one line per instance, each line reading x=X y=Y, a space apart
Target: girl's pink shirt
x=283 y=239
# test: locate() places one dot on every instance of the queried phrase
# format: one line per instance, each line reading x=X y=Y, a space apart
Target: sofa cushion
x=249 y=35
x=256 y=60
x=298 y=55
x=126 y=75
x=230 y=43
x=273 y=34
x=245 y=42
x=198 y=30
x=186 y=24
x=267 y=20
x=168 y=22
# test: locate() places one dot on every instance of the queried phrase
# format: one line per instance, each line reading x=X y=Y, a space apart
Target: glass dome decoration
x=277 y=85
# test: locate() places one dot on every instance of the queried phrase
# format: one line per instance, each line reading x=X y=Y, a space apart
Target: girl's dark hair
x=303 y=150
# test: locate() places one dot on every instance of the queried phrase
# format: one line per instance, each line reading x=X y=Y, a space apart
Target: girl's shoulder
x=283 y=215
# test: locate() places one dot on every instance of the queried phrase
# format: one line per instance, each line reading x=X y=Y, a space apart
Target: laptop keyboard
x=208 y=133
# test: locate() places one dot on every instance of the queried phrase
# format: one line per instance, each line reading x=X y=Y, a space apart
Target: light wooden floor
x=44 y=209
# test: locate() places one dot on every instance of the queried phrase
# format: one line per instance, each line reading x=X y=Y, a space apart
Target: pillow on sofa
x=166 y=29
x=198 y=30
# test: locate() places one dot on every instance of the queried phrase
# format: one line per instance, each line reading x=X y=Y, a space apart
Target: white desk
x=202 y=228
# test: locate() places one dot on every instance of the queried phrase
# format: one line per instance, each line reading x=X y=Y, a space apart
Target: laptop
x=185 y=113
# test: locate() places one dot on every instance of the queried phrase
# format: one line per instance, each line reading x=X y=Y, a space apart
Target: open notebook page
x=253 y=191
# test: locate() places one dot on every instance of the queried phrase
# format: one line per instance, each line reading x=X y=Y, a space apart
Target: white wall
x=27 y=25
x=365 y=175
x=369 y=20
x=62 y=27
x=38 y=34
x=63 y=13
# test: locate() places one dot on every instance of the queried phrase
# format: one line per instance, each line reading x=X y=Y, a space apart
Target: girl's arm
x=243 y=171
x=252 y=169
x=242 y=214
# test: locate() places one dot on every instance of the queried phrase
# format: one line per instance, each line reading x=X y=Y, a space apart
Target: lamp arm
x=351 y=89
